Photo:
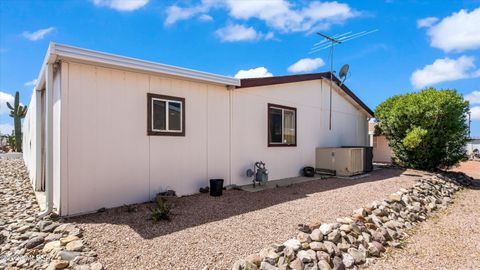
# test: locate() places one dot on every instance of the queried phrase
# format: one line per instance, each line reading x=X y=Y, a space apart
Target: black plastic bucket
x=216 y=187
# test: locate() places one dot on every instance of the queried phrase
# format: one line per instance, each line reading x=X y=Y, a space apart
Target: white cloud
x=458 y=32
x=475 y=113
x=473 y=97
x=443 y=70
x=6 y=129
x=253 y=73
x=236 y=32
x=269 y=36
x=306 y=64
x=30 y=83
x=205 y=18
x=4 y=98
x=37 y=35
x=121 y=5
x=277 y=14
x=176 y=13
x=426 y=22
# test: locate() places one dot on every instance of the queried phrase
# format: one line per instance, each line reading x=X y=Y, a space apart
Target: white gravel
x=215 y=232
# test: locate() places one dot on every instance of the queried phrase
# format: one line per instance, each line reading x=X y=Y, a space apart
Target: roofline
x=254 y=82
x=57 y=52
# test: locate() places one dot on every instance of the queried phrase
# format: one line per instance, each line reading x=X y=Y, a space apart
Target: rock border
x=30 y=242
x=356 y=241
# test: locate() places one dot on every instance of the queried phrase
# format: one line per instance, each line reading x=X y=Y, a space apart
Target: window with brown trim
x=282 y=125
x=166 y=115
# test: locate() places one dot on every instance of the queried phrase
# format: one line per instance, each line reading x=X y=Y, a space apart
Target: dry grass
x=215 y=232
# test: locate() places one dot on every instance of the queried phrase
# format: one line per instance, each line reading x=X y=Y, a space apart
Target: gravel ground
x=28 y=241
x=451 y=240
x=215 y=232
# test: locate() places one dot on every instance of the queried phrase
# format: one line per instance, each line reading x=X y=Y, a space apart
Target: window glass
x=275 y=129
x=159 y=121
x=174 y=115
x=288 y=127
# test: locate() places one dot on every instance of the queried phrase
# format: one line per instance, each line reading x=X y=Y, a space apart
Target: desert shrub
x=426 y=129
x=162 y=209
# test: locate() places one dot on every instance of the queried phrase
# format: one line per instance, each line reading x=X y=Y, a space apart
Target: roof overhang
x=344 y=90
x=58 y=52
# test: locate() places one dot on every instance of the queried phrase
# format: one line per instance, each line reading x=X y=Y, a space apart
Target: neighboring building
x=472 y=144
x=382 y=153
x=182 y=126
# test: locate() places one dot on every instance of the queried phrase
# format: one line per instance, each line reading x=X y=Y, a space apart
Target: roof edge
x=59 y=51
x=265 y=81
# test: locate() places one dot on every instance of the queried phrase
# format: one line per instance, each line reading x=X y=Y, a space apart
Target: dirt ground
x=450 y=240
x=215 y=232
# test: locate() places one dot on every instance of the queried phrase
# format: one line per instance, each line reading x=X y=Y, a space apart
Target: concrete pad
x=280 y=183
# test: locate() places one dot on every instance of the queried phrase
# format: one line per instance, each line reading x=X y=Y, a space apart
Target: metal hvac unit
x=344 y=161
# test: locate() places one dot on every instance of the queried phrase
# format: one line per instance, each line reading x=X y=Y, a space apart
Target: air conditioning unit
x=345 y=161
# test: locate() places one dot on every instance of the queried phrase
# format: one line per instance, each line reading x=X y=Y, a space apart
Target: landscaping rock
x=76 y=245
x=68 y=239
x=357 y=255
x=50 y=246
x=296 y=264
x=324 y=265
x=326 y=228
x=318 y=246
x=357 y=239
x=348 y=260
x=293 y=244
x=244 y=265
x=35 y=241
x=316 y=235
x=338 y=263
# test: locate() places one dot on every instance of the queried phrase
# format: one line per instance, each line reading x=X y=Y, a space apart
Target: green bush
x=162 y=211
x=427 y=129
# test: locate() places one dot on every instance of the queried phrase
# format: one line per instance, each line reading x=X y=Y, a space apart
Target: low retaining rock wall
x=356 y=240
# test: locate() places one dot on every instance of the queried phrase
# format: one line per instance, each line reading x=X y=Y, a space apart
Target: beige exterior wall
x=104 y=158
x=109 y=156
x=311 y=99
x=29 y=139
x=382 y=153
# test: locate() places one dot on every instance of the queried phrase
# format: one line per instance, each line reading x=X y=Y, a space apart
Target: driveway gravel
x=215 y=232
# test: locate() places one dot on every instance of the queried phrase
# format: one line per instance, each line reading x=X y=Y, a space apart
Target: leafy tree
x=426 y=129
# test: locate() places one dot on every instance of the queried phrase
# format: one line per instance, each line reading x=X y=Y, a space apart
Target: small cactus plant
x=17 y=112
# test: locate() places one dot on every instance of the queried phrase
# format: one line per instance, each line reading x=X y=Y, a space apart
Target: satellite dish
x=343 y=73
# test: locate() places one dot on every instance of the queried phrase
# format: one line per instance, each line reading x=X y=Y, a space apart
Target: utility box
x=367 y=157
x=345 y=161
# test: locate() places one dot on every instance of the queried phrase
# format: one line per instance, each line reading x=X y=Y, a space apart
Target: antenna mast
x=333 y=41
x=328 y=43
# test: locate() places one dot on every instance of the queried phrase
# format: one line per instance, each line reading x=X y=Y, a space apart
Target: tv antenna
x=328 y=42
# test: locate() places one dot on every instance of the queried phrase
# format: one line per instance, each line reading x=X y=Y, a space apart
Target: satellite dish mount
x=343 y=73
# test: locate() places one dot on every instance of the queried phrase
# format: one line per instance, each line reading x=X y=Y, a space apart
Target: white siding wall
x=108 y=160
x=110 y=156
x=349 y=127
x=29 y=139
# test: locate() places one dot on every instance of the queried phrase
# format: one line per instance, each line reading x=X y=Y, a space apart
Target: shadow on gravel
x=195 y=210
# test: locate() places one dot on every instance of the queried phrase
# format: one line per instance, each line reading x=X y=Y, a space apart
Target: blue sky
x=419 y=43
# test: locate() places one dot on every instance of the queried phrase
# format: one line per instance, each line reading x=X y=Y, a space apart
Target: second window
x=282 y=121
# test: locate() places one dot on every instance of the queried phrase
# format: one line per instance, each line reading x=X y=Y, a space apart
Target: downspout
x=48 y=140
x=38 y=140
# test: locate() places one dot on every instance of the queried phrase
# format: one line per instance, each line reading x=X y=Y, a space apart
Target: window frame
x=283 y=108
x=157 y=132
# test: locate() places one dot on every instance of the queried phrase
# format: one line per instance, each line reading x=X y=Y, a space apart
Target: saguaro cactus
x=17 y=113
